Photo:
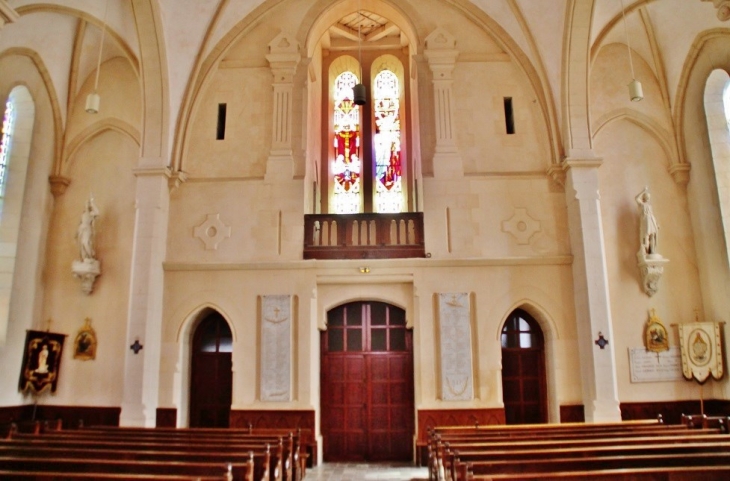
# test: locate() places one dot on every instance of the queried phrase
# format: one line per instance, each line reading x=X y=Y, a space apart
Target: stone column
x=283 y=59
x=144 y=321
x=590 y=287
x=441 y=55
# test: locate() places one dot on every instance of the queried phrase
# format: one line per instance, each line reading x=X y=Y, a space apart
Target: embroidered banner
x=276 y=348
x=41 y=361
x=701 y=346
x=456 y=347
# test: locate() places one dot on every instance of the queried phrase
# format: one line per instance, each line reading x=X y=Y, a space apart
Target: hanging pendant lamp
x=93 y=100
x=636 y=93
x=359 y=91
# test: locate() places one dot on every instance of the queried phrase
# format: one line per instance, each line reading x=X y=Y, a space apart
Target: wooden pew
x=560 y=464
x=453 y=459
x=267 y=466
x=235 y=471
x=293 y=462
x=704 y=473
x=59 y=476
x=552 y=439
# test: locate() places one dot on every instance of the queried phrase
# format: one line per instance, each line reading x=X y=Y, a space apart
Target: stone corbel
x=651 y=268
x=176 y=178
x=59 y=184
x=87 y=271
x=680 y=174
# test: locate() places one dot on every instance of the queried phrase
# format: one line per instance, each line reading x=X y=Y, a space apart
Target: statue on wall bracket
x=650 y=262
x=87 y=268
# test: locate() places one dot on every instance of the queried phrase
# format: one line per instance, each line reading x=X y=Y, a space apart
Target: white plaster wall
x=632 y=159
x=102 y=168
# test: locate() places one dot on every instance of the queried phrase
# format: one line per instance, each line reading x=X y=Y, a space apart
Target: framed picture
x=41 y=361
x=85 y=342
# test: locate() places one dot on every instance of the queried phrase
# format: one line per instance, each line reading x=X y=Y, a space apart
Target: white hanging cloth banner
x=701 y=347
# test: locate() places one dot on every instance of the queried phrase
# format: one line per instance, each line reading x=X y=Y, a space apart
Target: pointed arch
x=96 y=129
x=53 y=98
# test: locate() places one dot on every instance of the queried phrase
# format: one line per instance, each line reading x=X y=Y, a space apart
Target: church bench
x=262 y=470
x=452 y=459
x=293 y=462
x=267 y=464
x=437 y=449
x=305 y=437
x=687 y=473
x=238 y=471
x=60 y=476
x=548 y=427
x=567 y=464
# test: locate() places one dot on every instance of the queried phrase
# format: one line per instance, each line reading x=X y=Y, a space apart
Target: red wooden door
x=523 y=370
x=367 y=384
x=211 y=373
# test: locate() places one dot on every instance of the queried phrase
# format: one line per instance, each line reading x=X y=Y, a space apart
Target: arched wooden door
x=367 y=384
x=211 y=375
x=523 y=370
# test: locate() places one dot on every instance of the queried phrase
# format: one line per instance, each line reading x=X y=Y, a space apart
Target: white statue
x=88 y=268
x=86 y=231
x=649 y=228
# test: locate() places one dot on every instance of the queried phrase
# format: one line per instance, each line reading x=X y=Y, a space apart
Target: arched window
x=7 y=135
x=365 y=144
x=346 y=165
x=717 y=115
x=15 y=141
x=386 y=143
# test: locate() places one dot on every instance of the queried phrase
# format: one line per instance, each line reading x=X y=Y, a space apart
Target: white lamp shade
x=92 y=103
x=635 y=91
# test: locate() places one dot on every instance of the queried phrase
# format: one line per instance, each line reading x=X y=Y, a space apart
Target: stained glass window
x=726 y=101
x=386 y=142
x=7 y=133
x=346 y=166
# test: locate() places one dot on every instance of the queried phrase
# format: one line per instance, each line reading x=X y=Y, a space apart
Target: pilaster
x=592 y=302
x=441 y=55
x=144 y=321
x=283 y=59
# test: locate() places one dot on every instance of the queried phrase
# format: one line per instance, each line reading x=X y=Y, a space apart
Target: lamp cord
x=101 y=44
x=628 y=42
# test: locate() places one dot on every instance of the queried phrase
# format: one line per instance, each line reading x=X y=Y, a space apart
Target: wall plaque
x=647 y=366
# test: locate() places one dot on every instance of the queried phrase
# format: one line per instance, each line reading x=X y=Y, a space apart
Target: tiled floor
x=366 y=472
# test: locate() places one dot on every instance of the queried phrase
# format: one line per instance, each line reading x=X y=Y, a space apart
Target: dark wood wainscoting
x=572 y=413
x=672 y=411
x=71 y=416
x=272 y=419
x=166 y=418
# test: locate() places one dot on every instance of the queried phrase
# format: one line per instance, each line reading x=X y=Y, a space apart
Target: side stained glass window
x=387 y=143
x=347 y=165
x=7 y=132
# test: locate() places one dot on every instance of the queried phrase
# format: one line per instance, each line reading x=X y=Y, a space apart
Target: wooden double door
x=367 y=384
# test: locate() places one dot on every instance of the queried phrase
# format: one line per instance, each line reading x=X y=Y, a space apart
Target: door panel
x=523 y=370
x=211 y=379
x=367 y=385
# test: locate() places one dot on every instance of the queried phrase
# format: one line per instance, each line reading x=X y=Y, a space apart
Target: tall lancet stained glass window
x=347 y=165
x=386 y=142
x=7 y=132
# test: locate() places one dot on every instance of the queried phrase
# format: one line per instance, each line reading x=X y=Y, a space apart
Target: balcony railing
x=363 y=236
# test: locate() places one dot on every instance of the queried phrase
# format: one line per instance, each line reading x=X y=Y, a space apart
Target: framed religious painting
x=85 y=342
x=41 y=361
